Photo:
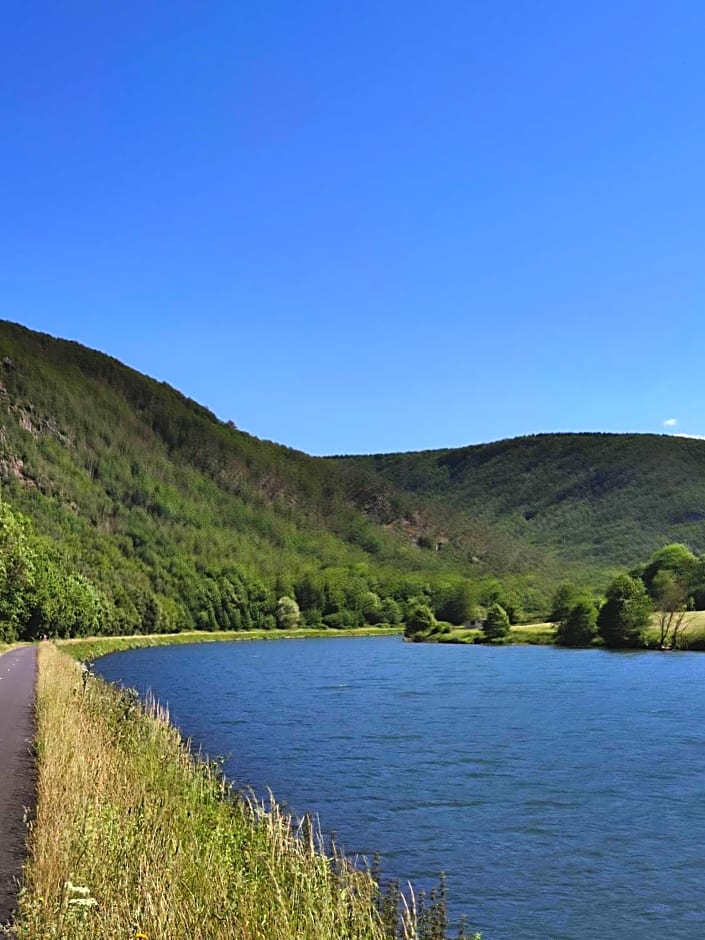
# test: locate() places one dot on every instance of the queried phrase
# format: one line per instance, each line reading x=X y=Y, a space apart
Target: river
x=561 y=791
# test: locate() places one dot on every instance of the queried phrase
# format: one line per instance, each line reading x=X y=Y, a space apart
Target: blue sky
x=372 y=226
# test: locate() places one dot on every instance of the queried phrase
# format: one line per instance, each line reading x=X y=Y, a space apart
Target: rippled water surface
x=563 y=792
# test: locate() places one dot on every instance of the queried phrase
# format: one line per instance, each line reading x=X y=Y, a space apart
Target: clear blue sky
x=357 y=227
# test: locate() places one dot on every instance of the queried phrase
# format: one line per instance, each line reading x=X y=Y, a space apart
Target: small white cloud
x=670 y=422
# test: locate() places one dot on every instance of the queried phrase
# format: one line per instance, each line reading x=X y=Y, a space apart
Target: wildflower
x=79 y=890
x=141 y=936
x=81 y=896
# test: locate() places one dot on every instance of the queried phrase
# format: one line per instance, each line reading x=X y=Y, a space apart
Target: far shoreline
x=87 y=649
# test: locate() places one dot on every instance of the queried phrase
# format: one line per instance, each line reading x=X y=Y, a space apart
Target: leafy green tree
x=579 y=626
x=310 y=595
x=496 y=625
x=494 y=591
x=287 y=613
x=563 y=600
x=453 y=600
x=420 y=623
x=343 y=619
x=626 y=613
x=18 y=572
x=670 y=596
x=372 y=608
x=676 y=558
x=391 y=611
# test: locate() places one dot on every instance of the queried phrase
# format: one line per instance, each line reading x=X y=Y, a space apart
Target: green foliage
x=37 y=594
x=602 y=500
x=18 y=573
x=287 y=614
x=563 y=600
x=391 y=611
x=626 y=613
x=453 y=600
x=420 y=623
x=496 y=625
x=150 y=515
x=672 y=575
x=578 y=627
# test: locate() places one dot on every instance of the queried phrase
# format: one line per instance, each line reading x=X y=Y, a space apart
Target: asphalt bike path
x=18 y=669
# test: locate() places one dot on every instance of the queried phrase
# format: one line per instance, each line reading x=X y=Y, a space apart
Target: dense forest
x=597 y=499
x=127 y=507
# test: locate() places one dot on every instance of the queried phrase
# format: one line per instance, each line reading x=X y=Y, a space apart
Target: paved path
x=17 y=682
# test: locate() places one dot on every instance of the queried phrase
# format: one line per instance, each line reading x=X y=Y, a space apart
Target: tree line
x=42 y=593
x=670 y=584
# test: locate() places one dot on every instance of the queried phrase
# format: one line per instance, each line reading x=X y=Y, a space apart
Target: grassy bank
x=536 y=634
x=693 y=633
x=544 y=634
x=136 y=839
x=85 y=649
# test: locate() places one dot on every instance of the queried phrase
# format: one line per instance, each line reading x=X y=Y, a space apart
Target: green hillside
x=598 y=499
x=128 y=507
x=180 y=520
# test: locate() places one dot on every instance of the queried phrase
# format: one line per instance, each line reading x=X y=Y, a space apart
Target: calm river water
x=563 y=792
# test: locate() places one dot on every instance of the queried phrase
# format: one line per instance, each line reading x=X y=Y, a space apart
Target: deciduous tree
x=671 y=598
x=287 y=613
x=625 y=615
x=579 y=625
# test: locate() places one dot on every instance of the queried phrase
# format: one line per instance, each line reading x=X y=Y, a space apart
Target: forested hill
x=126 y=500
x=593 y=498
x=128 y=507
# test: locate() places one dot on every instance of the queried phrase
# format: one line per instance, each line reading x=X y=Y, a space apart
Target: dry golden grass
x=692 y=635
x=136 y=839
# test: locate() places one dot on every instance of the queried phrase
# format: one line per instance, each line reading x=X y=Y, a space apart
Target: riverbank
x=691 y=638
x=135 y=838
x=86 y=649
x=534 y=634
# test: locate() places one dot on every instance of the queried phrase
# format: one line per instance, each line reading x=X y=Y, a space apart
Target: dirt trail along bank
x=17 y=685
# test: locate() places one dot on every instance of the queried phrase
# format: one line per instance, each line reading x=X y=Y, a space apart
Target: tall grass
x=136 y=838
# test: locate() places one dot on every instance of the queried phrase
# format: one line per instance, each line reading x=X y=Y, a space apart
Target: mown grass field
x=693 y=634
